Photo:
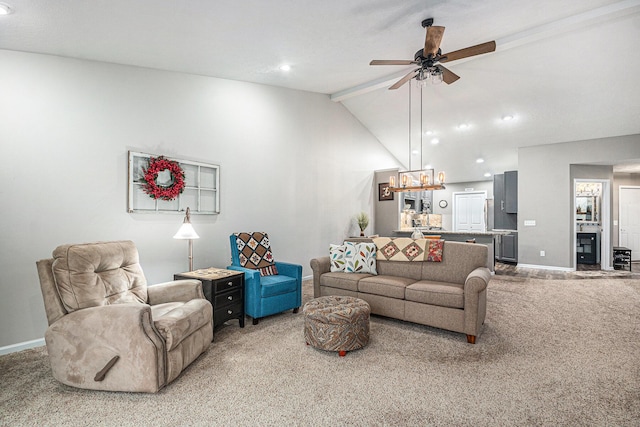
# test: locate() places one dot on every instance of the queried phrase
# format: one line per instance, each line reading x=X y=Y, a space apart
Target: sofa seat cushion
x=277 y=285
x=436 y=293
x=388 y=286
x=347 y=281
x=176 y=321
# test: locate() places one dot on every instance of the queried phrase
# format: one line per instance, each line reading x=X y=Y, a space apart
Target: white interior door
x=629 y=217
x=469 y=211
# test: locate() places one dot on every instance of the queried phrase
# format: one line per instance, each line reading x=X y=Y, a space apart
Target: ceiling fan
x=429 y=58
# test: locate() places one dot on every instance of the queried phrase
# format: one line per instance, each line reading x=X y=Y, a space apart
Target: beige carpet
x=553 y=352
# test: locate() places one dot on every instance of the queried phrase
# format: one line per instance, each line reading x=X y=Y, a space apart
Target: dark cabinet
x=505 y=197
x=506 y=247
x=511 y=192
x=586 y=248
x=621 y=258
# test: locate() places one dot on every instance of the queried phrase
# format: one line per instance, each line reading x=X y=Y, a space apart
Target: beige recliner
x=108 y=330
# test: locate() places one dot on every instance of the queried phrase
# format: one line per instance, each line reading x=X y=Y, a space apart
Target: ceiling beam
x=518 y=39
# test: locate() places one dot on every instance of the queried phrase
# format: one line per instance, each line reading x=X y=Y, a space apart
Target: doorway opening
x=592 y=224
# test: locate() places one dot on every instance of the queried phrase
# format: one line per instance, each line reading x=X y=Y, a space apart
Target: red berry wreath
x=156 y=191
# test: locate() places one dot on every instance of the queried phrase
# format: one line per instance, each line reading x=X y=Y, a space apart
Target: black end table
x=224 y=289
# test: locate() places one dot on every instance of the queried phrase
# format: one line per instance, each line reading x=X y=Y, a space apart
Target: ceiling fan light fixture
x=436 y=76
x=422 y=78
x=5 y=9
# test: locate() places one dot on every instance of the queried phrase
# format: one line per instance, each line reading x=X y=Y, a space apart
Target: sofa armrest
x=319 y=266
x=83 y=342
x=175 y=290
x=475 y=300
x=477 y=280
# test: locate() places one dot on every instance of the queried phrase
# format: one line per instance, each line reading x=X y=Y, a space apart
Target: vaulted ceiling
x=566 y=70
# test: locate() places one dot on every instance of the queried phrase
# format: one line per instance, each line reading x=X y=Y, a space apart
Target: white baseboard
x=545 y=267
x=308 y=277
x=21 y=346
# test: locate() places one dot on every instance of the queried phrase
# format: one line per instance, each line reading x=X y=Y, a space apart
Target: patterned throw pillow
x=336 y=257
x=434 y=251
x=400 y=248
x=254 y=251
x=360 y=258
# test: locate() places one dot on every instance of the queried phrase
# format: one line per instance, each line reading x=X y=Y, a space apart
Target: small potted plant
x=363 y=222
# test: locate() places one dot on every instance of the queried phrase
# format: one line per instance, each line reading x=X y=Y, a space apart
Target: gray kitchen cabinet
x=511 y=192
x=503 y=220
x=506 y=247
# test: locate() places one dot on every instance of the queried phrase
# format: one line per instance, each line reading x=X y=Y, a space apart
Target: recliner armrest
x=174 y=291
x=81 y=343
x=289 y=269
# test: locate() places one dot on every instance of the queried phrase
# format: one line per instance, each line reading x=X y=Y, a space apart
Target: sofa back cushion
x=458 y=260
x=412 y=270
x=95 y=274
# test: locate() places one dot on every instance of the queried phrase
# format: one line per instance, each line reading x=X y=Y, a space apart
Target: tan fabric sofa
x=450 y=295
x=108 y=330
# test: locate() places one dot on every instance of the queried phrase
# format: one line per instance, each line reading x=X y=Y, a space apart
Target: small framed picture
x=383 y=192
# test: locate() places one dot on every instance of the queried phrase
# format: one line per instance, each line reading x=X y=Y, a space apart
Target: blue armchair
x=269 y=294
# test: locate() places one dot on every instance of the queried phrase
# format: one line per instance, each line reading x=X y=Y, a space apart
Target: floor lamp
x=186 y=231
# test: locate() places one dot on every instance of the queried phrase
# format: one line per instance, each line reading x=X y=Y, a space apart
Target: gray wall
x=294 y=164
x=387 y=211
x=545 y=194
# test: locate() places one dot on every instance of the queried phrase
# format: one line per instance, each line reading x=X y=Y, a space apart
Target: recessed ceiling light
x=507 y=117
x=463 y=126
x=285 y=67
x=429 y=132
x=435 y=141
x=428 y=166
x=415 y=152
x=5 y=9
x=480 y=160
x=487 y=174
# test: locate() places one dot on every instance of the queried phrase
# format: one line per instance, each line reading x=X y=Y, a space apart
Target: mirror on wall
x=588 y=208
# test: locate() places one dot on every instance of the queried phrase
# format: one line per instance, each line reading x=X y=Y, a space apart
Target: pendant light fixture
x=416 y=180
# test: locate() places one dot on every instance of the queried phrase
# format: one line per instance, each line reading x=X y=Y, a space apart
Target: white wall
x=293 y=164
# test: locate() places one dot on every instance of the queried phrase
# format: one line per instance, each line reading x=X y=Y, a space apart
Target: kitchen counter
x=480 y=237
x=424 y=230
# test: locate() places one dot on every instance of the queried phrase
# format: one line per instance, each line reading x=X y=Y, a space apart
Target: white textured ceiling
x=567 y=69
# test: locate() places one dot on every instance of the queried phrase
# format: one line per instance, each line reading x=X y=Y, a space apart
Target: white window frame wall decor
x=201 y=192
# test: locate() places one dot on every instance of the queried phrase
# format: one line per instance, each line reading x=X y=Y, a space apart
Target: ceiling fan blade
x=392 y=62
x=405 y=79
x=478 y=49
x=432 y=41
x=448 y=76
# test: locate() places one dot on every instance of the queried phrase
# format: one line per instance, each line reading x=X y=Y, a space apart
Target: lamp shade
x=186 y=231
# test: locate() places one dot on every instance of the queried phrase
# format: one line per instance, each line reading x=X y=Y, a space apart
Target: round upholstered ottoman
x=336 y=323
